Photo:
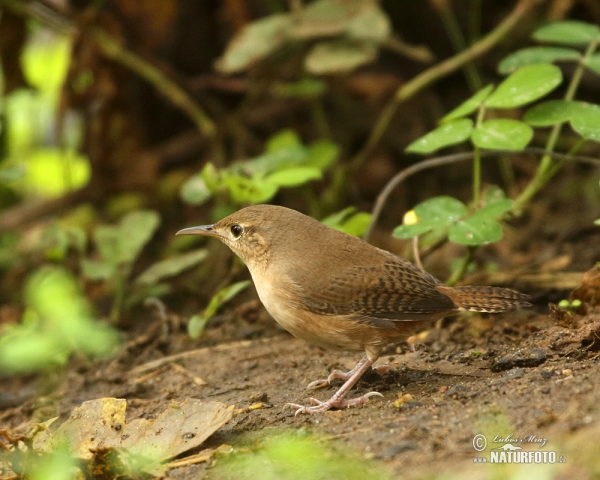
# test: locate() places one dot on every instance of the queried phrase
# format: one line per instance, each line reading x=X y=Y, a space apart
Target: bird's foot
x=324 y=382
x=333 y=402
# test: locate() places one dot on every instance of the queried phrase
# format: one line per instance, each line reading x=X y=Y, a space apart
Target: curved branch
x=455 y=158
x=441 y=70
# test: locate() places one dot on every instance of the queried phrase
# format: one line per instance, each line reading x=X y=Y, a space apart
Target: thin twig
x=442 y=69
x=455 y=158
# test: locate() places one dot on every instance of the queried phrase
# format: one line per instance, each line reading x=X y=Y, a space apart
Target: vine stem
x=431 y=75
x=455 y=158
x=542 y=174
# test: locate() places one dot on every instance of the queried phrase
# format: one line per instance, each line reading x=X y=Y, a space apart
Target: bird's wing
x=393 y=290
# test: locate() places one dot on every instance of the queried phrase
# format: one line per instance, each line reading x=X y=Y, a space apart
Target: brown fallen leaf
x=99 y=425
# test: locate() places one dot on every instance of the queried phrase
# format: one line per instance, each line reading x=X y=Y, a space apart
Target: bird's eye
x=237 y=230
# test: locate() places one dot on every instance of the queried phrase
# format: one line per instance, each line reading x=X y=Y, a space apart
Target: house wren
x=339 y=292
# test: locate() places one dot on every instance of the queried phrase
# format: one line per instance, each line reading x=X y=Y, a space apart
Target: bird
x=339 y=292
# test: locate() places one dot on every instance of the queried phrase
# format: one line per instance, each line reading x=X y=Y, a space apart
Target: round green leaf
x=468 y=106
x=338 y=56
x=533 y=55
x=586 y=121
x=433 y=214
x=440 y=210
x=570 y=32
x=549 y=113
x=448 y=134
x=525 y=86
x=475 y=231
x=502 y=134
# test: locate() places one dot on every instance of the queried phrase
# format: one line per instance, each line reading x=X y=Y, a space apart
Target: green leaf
x=52 y=172
x=469 y=105
x=586 y=121
x=272 y=160
x=45 y=60
x=477 y=230
x=495 y=209
x=502 y=134
x=593 y=63
x=449 y=134
x=283 y=140
x=98 y=270
x=441 y=210
x=293 y=177
x=597 y=222
x=107 y=240
x=136 y=230
x=211 y=177
x=338 y=56
x=433 y=214
x=196 y=326
x=372 y=24
x=525 y=86
x=328 y=18
x=533 y=55
x=171 y=267
x=570 y=32
x=349 y=221
x=550 y=113
x=414 y=230
x=195 y=191
x=322 y=153
x=254 y=42
x=223 y=296
x=249 y=190
x=584 y=117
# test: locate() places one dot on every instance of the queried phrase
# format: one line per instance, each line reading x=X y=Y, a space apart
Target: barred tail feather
x=485 y=299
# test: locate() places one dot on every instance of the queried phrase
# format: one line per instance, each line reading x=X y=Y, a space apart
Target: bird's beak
x=206 y=230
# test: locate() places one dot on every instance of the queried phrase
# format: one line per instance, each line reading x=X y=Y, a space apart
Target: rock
x=524 y=357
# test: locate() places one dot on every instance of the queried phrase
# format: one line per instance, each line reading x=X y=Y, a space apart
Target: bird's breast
x=283 y=300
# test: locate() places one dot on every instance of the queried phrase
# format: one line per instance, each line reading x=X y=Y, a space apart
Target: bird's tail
x=485 y=299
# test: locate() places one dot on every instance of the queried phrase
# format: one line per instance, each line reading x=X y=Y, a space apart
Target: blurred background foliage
x=122 y=122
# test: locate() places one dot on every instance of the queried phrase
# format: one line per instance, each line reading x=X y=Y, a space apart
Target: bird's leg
x=337 y=400
x=324 y=382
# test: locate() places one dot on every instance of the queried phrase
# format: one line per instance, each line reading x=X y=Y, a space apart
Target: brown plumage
x=339 y=292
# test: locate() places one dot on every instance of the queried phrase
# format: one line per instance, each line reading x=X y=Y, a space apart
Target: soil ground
x=519 y=373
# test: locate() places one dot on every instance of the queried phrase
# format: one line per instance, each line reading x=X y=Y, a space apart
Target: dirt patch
x=518 y=373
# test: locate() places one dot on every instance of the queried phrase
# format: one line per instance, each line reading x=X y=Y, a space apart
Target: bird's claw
x=320 y=407
x=325 y=382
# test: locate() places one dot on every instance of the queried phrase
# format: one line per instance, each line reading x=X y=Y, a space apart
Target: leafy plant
x=56 y=324
x=446 y=216
x=339 y=36
x=532 y=76
x=570 y=307
x=286 y=163
x=118 y=248
x=296 y=457
x=198 y=322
